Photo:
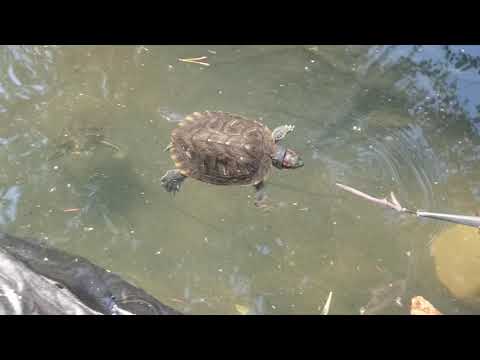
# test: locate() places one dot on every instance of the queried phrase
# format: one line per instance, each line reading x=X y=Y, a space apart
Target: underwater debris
x=326 y=307
x=195 y=60
x=384 y=296
x=71 y=210
x=243 y=310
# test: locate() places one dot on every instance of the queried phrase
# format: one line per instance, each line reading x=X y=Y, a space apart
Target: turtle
x=224 y=148
x=83 y=141
x=83 y=123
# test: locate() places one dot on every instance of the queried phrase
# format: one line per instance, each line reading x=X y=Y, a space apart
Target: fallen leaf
x=420 y=306
x=244 y=310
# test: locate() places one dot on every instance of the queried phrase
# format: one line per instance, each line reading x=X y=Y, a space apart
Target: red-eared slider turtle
x=227 y=149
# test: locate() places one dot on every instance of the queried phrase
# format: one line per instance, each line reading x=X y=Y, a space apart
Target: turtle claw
x=171 y=186
x=168 y=147
x=264 y=205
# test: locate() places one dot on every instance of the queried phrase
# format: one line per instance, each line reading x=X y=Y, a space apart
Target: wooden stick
x=392 y=203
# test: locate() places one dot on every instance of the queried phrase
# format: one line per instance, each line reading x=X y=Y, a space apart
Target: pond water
x=379 y=118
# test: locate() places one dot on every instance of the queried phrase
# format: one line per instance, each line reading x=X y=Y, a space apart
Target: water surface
x=380 y=118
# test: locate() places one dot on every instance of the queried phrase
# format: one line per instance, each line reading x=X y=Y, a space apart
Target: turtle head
x=286 y=158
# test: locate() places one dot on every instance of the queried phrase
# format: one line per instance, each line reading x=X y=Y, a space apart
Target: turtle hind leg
x=172 y=180
x=261 y=196
x=280 y=132
x=62 y=150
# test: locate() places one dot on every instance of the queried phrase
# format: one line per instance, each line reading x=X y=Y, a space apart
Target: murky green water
x=380 y=118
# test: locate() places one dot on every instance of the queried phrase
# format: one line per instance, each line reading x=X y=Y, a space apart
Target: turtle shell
x=222 y=148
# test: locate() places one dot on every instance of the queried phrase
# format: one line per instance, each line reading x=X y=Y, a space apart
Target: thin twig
x=71 y=210
x=326 y=307
x=196 y=60
x=392 y=203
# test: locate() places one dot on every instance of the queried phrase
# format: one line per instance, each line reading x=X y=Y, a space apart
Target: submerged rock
x=457 y=262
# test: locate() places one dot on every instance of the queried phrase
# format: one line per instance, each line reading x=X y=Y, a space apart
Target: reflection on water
x=380 y=118
x=9 y=201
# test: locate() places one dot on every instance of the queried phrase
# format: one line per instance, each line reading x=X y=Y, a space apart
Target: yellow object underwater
x=457 y=262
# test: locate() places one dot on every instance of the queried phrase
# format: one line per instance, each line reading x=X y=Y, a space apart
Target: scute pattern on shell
x=222 y=148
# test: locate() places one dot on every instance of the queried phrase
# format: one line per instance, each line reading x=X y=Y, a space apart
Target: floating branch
x=196 y=60
x=392 y=203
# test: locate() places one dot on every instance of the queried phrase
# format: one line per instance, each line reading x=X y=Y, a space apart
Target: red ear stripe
x=285 y=160
x=291 y=160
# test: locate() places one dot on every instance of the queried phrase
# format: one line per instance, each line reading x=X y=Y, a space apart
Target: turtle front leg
x=280 y=132
x=172 y=180
x=171 y=116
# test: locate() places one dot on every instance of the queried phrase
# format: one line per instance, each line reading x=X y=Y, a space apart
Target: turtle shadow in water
x=112 y=189
x=121 y=191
